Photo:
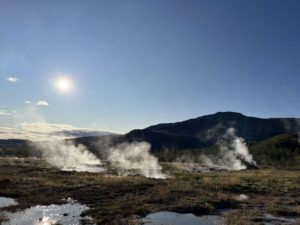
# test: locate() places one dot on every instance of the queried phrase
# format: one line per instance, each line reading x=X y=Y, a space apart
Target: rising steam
x=126 y=158
x=232 y=154
x=65 y=155
x=135 y=158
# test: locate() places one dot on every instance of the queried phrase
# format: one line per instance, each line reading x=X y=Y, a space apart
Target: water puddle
x=271 y=220
x=167 y=218
x=66 y=214
x=4 y=202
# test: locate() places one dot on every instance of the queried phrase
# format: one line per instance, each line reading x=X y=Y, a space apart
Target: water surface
x=279 y=220
x=167 y=218
x=4 y=202
x=66 y=214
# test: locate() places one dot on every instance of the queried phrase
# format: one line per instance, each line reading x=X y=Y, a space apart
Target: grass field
x=117 y=200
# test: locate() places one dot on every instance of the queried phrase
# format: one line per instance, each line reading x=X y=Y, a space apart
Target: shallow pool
x=4 y=202
x=66 y=214
x=167 y=218
x=271 y=220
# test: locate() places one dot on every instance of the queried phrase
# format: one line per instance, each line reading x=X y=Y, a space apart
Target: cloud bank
x=42 y=131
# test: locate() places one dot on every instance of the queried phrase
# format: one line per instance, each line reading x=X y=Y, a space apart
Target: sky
x=127 y=64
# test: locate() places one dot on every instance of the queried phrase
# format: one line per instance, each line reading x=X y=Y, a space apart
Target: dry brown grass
x=242 y=217
x=114 y=198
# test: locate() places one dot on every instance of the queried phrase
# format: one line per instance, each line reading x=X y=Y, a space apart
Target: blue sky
x=139 y=63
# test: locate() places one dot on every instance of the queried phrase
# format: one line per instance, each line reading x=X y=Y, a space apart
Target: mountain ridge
x=205 y=130
x=199 y=132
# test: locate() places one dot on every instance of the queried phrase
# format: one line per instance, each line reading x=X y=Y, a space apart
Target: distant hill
x=205 y=130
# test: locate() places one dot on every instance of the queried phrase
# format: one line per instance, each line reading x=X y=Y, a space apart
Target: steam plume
x=232 y=154
x=132 y=158
x=67 y=156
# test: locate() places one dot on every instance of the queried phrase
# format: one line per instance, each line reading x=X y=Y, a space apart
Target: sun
x=64 y=84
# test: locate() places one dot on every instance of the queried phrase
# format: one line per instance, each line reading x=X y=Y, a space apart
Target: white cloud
x=28 y=102
x=12 y=79
x=4 y=112
x=42 y=131
x=42 y=103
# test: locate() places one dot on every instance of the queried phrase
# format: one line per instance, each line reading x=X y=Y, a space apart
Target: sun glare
x=64 y=84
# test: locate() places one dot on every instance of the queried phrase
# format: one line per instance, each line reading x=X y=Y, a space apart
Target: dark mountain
x=205 y=130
